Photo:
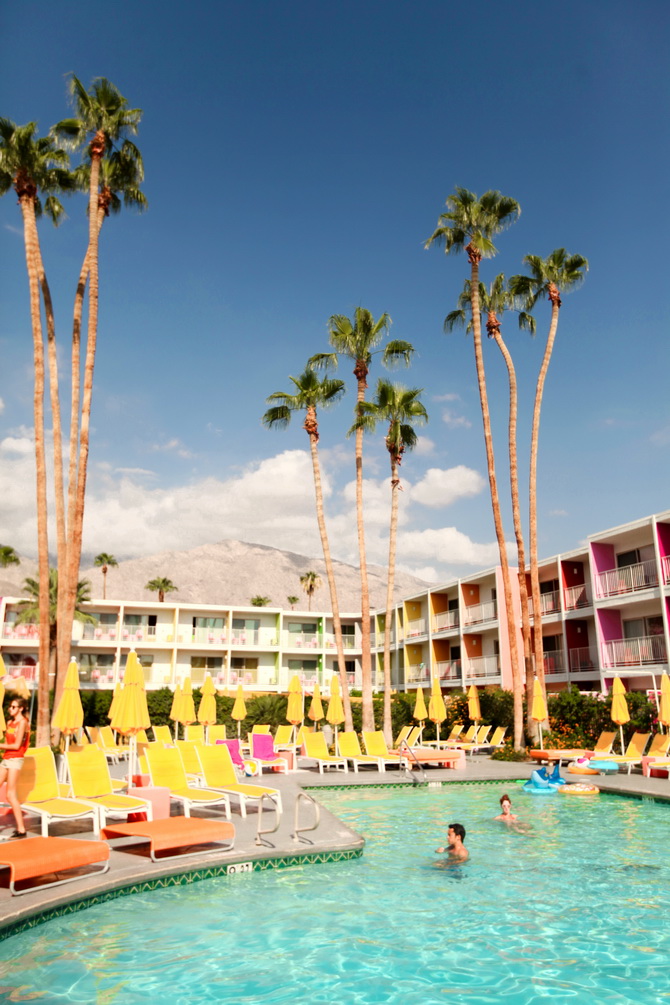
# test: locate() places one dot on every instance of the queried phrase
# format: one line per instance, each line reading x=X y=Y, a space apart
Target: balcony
x=553 y=661
x=300 y=640
x=415 y=628
x=259 y=676
x=377 y=641
x=665 y=565
x=583 y=658
x=417 y=673
x=628 y=579
x=575 y=597
x=550 y=603
x=11 y=630
x=448 y=669
x=445 y=621
x=204 y=636
x=26 y=670
x=477 y=613
x=348 y=642
x=647 y=650
x=99 y=633
x=482 y=666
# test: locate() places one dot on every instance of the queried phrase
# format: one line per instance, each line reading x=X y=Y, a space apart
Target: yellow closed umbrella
x=474 y=711
x=294 y=708
x=174 y=709
x=69 y=716
x=239 y=711
x=619 y=713
x=207 y=706
x=335 y=714
x=539 y=708
x=315 y=711
x=132 y=714
x=420 y=710
x=437 y=712
x=664 y=710
x=115 y=701
x=186 y=711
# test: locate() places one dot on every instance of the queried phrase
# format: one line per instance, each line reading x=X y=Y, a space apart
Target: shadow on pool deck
x=331 y=840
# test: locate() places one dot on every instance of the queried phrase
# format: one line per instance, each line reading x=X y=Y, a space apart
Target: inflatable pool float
x=541 y=783
x=578 y=769
x=580 y=789
x=605 y=767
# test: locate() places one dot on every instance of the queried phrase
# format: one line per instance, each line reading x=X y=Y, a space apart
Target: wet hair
x=458 y=829
x=505 y=797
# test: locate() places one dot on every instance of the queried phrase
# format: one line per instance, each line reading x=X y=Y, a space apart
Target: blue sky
x=297 y=157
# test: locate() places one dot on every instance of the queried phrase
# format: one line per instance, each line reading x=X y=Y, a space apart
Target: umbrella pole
x=658 y=707
x=539 y=726
x=621 y=736
x=438 y=735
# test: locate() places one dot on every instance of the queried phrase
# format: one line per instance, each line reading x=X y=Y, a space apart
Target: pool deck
x=331 y=841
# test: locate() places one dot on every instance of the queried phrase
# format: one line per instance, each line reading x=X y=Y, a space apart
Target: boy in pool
x=456 y=850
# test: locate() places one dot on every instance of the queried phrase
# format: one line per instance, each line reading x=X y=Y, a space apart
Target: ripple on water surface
x=574 y=910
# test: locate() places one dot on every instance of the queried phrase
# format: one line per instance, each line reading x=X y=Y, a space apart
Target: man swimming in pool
x=455 y=849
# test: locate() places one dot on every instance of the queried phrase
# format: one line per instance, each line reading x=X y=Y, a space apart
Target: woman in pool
x=17 y=738
x=506 y=815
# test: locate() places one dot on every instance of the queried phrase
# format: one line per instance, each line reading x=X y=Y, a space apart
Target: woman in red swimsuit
x=17 y=738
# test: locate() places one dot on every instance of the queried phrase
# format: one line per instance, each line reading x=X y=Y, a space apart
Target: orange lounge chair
x=46 y=856
x=176 y=833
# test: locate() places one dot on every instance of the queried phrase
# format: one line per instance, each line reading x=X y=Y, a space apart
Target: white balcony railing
x=265 y=676
x=348 y=642
x=482 y=666
x=448 y=669
x=665 y=564
x=575 y=597
x=445 y=620
x=25 y=670
x=648 y=649
x=205 y=636
x=417 y=673
x=99 y=633
x=554 y=661
x=300 y=640
x=583 y=658
x=27 y=632
x=627 y=579
x=415 y=628
x=377 y=641
x=477 y=613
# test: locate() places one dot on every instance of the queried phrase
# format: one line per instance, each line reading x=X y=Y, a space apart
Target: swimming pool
x=576 y=910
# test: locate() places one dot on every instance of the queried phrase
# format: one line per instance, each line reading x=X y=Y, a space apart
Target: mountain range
x=228 y=573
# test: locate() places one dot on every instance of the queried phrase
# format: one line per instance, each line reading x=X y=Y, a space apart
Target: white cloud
x=447 y=545
x=558 y=512
x=2 y=406
x=454 y=421
x=440 y=487
x=22 y=445
x=661 y=437
x=446 y=397
x=172 y=446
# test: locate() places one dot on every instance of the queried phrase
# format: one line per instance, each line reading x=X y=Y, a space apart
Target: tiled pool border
x=177 y=879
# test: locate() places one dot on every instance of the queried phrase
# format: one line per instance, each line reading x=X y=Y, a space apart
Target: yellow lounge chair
x=90 y=783
x=285 y=738
x=317 y=750
x=634 y=751
x=216 y=732
x=348 y=746
x=466 y=737
x=195 y=733
x=219 y=773
x=479 y=740
x=106 y=741
x=167 y=770
x=39 y=792
x=162 y=734
x=456 y=731
x=375 y=746
x=604 y=743
x=498 y=738
x=189 y=758
x=659 y=748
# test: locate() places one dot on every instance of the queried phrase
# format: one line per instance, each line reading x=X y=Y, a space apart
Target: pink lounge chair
x=263 y=751
x=235 y=752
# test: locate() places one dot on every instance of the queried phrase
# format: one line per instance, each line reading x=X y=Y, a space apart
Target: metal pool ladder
x=260 y=833
x=298 y=831
x=405 y=746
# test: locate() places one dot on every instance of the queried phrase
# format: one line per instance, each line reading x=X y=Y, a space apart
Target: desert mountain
x=229 y=572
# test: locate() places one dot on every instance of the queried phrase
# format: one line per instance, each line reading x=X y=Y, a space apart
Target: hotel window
x=206 y=662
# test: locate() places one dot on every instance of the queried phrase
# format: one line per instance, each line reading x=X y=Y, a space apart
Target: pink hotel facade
x=605 y=613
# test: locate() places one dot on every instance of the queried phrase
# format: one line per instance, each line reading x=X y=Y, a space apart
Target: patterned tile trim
x=180 y=879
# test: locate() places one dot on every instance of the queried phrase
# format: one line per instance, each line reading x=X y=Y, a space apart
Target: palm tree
x=8 y=556
x=31 y=165
x=494 y=301
x=29 y=611
x=559 y=272
x=477 y=221
x=312 y=393
x=310 y=583
x=103 y=120
x=292 y=601
x=105 y=561
x=161 y=586
x=359 y=340
x=395 y=405
x=260 y=601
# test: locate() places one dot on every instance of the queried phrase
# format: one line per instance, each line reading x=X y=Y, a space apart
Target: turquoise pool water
x=575 y=911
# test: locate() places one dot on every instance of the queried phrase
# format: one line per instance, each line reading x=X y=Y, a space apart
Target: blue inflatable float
x=542 y=783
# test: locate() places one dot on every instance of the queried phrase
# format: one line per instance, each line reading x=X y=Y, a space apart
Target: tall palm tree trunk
x=360 y=372
x=388 y=619
x=31 y=240
x=474 y=258
x=493 y=328
x=532 y=488
x=310 y=426
x=76 y=507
